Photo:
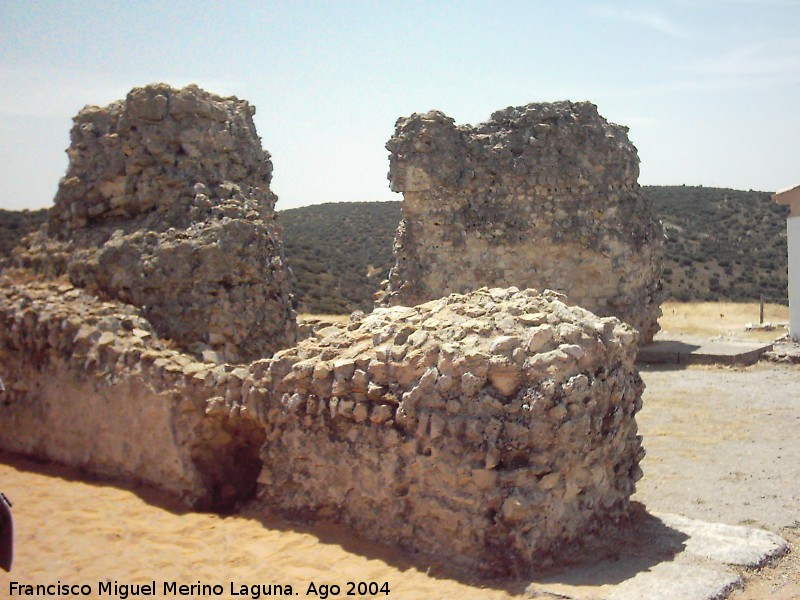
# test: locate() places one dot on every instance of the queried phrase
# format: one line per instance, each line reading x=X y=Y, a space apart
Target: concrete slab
x=670 y=557
x=701 y=352
x=668 y=581
x=728 y=544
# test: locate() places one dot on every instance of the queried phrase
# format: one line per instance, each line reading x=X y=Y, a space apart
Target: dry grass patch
x=726 y=319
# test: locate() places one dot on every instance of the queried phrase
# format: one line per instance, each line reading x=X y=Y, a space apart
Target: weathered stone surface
x=166 y=205
x=540 y=196
x=496 y=427
x=728 y=544
x=435 y=428
x=90 y=384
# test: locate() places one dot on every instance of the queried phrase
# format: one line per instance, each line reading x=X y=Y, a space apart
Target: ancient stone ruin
x=540 y=196
x=166 y=205
x=90 y=384
x=493 y=428
x=496 y=428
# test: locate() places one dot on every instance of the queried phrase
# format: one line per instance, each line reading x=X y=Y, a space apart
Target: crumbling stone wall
x=166 y=205
x=495 y=428
x=89 y=384
x=541 y=196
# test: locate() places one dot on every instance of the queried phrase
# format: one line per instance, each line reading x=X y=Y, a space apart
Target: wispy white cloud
x=772 y=57
x=727 y=4
x=694 y=84
x=643 y=18
x=771 y=64
x=789 y=3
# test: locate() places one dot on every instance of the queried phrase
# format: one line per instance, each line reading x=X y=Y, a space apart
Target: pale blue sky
x=709 y=88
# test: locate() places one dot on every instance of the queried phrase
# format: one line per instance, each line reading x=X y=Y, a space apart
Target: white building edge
x=791 y=198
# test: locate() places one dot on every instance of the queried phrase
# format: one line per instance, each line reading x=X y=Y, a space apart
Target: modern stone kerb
x=667 y=556
x=541 y=196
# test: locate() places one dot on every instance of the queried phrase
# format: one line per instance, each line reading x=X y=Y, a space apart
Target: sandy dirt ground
x=84 y=532
x=723 y=445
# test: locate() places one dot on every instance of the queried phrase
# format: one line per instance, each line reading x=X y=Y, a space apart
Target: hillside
x=16 y=223
x=721 y=245
x=339 y=253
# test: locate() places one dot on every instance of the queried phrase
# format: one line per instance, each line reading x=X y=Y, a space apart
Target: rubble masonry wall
x=495 y=428
x=89 y=384
x=542 y=196
x=166 y=206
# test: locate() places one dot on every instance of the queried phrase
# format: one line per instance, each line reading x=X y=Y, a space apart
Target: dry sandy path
x=82 y=532
x=722 y=445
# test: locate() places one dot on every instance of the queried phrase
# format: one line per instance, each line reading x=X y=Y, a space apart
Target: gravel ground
x=724 y=445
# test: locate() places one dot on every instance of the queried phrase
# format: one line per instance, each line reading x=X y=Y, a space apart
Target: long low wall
x=89 y=384
x=496 y=428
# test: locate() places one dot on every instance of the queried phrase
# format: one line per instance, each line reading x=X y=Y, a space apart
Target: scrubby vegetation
x=14 y=224
x=722 y=245
x=339 y=253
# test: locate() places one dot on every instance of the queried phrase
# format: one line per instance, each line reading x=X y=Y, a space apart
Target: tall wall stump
x=166 y=205
x=541 y=196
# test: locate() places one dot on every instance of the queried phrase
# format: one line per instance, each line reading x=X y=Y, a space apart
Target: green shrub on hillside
x=739 y=237
x=15 y=224
x=339 y=253
x=721 y=245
